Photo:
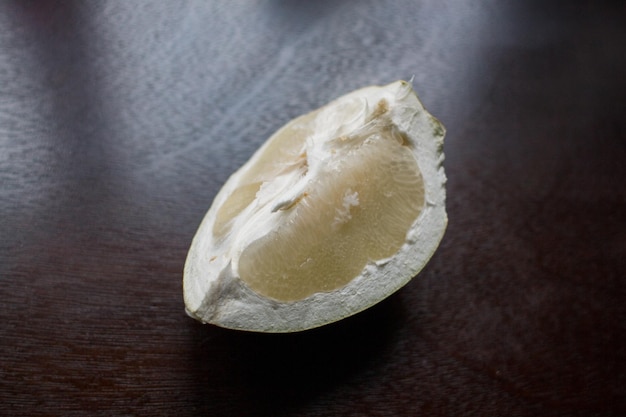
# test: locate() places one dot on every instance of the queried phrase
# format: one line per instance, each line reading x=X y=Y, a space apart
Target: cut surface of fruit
x=353 y=209
x=336 y=211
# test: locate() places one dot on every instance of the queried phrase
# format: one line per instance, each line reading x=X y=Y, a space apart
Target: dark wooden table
x=119 y=121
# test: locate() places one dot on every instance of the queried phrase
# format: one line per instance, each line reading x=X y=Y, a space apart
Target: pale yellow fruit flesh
x=356 y=207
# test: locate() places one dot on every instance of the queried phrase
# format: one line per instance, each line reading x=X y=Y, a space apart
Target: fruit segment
x=357 y=209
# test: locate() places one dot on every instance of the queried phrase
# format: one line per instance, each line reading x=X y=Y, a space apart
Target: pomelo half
x=338 y=209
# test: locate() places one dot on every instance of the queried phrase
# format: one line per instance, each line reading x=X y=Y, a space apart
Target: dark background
x=120 y=120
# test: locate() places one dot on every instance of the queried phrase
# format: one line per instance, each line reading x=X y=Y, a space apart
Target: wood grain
x=119 y=122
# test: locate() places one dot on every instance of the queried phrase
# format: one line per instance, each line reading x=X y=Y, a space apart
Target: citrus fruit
x=338 y=209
